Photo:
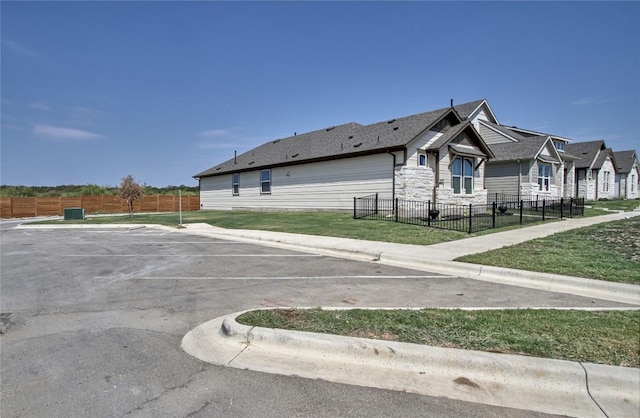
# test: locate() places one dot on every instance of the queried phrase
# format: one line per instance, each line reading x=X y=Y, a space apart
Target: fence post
x=543 y=204
x=354 y=207
x=470 y=218
x=376 y=208
x=561 y=207
x=396 y=209
x=521 y=205
x=493 y=214
x=571 y=207
x=428 y=213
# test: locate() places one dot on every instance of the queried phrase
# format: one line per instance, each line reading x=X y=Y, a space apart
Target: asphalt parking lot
x=93 y=319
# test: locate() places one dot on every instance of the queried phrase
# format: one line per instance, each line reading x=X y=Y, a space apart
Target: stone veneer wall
x=446 y=195
x=570 y=186
x=414 y=183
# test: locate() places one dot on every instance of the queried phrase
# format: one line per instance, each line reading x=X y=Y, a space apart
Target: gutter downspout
x=437 y=176
x=393 y=176
x=519 y=178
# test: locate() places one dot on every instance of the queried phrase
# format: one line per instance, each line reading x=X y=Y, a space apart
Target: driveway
x=93 y=320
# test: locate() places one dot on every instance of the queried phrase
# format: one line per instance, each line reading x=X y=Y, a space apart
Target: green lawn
x=624 y=205
x=333 y=224
x=609 y=251
x=608 y=337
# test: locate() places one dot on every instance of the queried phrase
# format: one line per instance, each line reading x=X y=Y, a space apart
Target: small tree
x=130 y=191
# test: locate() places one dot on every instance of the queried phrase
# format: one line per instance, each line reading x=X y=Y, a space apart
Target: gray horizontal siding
x=326 y=185
x=502 y=178
x=492 y=137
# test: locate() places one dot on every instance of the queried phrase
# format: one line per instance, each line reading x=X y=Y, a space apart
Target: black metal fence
x=503 y=211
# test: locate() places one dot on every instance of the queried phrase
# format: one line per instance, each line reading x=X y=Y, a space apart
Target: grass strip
x=606 y=337
x=608 y=251
x=332 y=224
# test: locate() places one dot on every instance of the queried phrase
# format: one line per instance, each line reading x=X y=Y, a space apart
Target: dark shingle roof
x=586 y=151
x=625 y=160
x=465 y=109
x=336 y=142
x=602 y=157
x=525 y=150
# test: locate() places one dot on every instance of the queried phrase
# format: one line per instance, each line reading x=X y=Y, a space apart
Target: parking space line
x=167 y=243
x=274 y=277
x=191 y=255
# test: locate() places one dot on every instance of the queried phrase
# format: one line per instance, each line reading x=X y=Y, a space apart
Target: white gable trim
x=484 y=104
x=546 y=146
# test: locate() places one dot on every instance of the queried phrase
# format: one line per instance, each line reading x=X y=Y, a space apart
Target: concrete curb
x=95 y=226
x=549 y=386
x=598 y=289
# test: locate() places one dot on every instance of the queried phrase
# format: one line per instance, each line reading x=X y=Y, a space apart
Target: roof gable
x=586 y=151
x=525 y=150
x=472 y=109
x=625 y=160
x=602 y=157
x=462 y=134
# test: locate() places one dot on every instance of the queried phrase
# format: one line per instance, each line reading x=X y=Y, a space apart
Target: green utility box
x=73 y=213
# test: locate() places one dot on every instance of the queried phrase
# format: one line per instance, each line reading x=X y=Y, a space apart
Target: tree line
x=69 y=190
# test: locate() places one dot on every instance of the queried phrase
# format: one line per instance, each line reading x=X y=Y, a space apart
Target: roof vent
x=350 y=136
x=395 y=128
x=276 y=141
x=251 y=163
x=294 y=155
x=357 y=145
x=217 y=169
x=330 y=128
x=391 y=121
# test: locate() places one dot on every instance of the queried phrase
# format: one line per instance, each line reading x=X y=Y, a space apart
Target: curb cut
x=544 y=385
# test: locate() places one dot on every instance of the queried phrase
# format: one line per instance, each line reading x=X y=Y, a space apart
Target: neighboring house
x=526 y=163
x=595 y=171
x=435 y=156
x=627 y=175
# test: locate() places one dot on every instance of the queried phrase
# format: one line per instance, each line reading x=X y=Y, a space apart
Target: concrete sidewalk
x=529 y=383
x=438 y=258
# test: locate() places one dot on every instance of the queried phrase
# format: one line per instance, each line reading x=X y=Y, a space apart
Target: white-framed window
x=235 y=184
x=605 y=181
x=462 y=175
x=544 y=176
x=633 y=181
x=560 y=146
x=422 y=160
x=265 y=181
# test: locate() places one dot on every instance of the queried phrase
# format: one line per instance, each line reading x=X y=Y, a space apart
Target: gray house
x=595 y=171
x=436 y=156
x=526 y=163
x=627 y=175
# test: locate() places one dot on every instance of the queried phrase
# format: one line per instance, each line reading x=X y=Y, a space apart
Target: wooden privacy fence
x=27 y=207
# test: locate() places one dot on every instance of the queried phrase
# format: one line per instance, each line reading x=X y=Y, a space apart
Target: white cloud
x=60 y=133
x=18 y=48
x=41 y=106
x=215 y=133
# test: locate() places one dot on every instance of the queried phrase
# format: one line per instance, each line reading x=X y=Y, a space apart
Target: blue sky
x=93 y=91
